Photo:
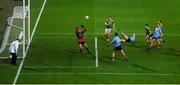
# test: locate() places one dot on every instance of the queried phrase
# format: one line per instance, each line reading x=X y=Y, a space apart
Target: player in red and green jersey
x=80 y=38
x=148 y=34
x=108 y=27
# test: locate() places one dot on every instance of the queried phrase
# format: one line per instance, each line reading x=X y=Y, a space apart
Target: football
x=86 y=17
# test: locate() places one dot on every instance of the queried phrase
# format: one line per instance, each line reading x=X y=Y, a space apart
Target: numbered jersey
x=109 y=24
x=80 y=37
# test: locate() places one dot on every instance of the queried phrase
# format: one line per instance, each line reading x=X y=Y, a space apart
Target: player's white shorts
x=107 y=30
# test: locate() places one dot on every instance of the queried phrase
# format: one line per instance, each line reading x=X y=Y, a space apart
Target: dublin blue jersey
x=157 y=32
x=132 y=39
x=116 y=41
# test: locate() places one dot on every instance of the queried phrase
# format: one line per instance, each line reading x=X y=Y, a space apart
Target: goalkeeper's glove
x=82 y=25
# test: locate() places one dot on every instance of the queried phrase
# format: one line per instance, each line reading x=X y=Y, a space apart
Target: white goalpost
x=96 y=52
x=24 y=26
x=30 y=35
x=24 y=23
x=17 y=29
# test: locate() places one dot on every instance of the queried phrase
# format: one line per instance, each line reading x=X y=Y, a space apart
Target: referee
x=13 y=51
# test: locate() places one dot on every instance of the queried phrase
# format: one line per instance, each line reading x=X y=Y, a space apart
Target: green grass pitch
x=54 y=56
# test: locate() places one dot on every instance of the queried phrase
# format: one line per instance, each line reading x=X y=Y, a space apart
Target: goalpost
x=24 y=26
x=96 y=52
x=26 y=32
x=30 y=35
x=18 y=27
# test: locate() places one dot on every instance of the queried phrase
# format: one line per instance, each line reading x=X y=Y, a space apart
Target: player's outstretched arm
x=123 y=33
x=109 y=44
x=76 y=29
x=84 y=28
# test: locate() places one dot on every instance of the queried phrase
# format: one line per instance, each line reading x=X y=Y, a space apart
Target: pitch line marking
x=131 y=74
x=59 y=67
x=22 y=62
x=169 y=34
x=62 y=37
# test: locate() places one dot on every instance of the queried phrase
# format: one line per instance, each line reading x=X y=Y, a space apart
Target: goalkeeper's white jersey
x=14 y=46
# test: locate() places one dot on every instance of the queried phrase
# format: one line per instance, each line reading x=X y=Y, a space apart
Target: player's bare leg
x=153 y=44
x=125 y=36
x=85 y=45
x=148 y=40
x=113 y=56
x=106 y=35
x=125 y=57
x=123 y=40
x=159 y=42
x=81 y=47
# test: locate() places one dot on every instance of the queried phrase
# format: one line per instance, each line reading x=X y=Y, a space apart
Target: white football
x=87 y=17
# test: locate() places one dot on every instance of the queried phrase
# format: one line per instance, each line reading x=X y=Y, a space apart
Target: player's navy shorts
x=118 y=48
x=156 y=38
x=81 y=43
x=128 y=40
x=147 y=33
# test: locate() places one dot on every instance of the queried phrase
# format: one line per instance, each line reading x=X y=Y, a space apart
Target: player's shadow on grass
x=8 y=61
x=137 y=44
x=165 y=51
x=34 y=69
x=70 y=53
x=105 y=59
x=169 y=51
x=143 y=67
x=4 y=61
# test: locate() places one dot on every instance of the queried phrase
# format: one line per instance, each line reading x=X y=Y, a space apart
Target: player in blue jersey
x=162 y=28
x=117 y=47
x=128 y=39
x=156 y=38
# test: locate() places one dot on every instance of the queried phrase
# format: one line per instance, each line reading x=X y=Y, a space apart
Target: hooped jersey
x=108 y=21
x=80 y=36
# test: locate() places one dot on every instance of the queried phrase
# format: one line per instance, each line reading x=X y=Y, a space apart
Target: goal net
x=17 y=27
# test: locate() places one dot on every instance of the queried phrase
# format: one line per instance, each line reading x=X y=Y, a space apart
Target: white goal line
x=108 y=73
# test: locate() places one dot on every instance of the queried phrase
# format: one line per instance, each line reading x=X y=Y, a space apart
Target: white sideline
x=22 y=62
x=105 y=73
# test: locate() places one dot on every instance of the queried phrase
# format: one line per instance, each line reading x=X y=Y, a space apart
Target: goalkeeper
x=80 y=38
